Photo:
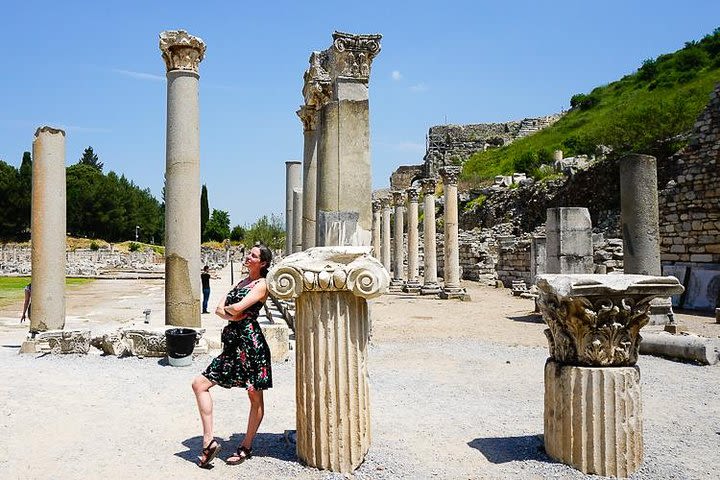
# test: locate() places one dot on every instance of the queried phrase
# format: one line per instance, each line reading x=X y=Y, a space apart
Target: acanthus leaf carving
x=181 y=51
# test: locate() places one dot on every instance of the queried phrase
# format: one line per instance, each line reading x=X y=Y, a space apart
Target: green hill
x=649 y=111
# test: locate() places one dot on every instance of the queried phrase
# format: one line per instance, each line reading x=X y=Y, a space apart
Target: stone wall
x=404 y=175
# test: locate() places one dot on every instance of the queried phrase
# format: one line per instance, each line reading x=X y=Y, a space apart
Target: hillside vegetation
x=649 y=111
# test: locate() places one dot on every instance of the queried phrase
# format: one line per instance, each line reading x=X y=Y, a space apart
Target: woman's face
x=252 y=259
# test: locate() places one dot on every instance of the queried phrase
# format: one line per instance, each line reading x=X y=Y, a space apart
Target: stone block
x=593 y=418
x=58 y=342
x=278 y=339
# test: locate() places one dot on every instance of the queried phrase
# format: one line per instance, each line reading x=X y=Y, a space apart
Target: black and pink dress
x=245 y=359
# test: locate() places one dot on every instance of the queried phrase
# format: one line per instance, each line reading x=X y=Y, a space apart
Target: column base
x=430 y=289
x=593 y=418
x=412 y=287
x=396 y=285
x=454 y=292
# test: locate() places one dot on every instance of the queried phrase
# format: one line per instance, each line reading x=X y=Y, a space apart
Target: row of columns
x=382 y=212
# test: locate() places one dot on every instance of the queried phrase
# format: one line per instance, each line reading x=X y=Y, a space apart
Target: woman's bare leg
x=257 y=410
x=201 y=386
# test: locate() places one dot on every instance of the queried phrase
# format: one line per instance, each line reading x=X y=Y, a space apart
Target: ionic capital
x=413 y=194
x=329 y=269
x=595 y=320
x=428 y=186
x=351 y=55
x=181 y=51
x=309 y=117
x=450 y=174
x=317 y=83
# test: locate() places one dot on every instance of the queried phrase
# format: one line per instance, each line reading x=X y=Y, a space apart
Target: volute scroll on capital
x=450 y=174
x=352 y=55
x=181 y=51
x=317 y=83
x=328 y=269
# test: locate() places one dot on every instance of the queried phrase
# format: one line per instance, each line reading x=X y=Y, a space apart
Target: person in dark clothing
x=205 y=279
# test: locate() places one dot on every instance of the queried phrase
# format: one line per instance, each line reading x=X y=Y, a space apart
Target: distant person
x=244 y=361
x=205 y=279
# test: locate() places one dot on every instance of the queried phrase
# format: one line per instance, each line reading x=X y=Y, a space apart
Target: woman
x=245 y=359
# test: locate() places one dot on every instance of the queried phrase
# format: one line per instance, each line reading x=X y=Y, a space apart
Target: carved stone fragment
x=63 y=341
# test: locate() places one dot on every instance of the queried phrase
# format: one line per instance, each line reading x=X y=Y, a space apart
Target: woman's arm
x=258 y=293
x=25 y=305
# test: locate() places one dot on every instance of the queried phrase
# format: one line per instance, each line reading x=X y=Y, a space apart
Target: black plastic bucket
x=180 y=343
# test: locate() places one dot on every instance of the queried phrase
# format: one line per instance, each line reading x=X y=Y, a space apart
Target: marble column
x=182 y=54
x=593 y=399
x=48 y=227
x=344 y=181
x=297 y=219
x=331 y=286
x=398 y=277
x=451 y=286
x=293 y=181
x=412 y=285
x=377 y=222
x=640 y=225
x=430 y=284
x=385 y=234
x=568 y=243
x=309 y=116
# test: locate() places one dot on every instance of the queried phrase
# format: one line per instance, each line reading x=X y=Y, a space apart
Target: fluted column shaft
x=48 y=224
x=430 y=283
x=182 y=54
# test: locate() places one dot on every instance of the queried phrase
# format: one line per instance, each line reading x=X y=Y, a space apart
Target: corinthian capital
x=351 y=55
x=376 y=206
x=413 y=194
x=595 y=320
x=398 y=198
x=329 y=269
x=309 y=117
x=181 y=51
x=428 y=186
x=317 y=83
x=450 y=174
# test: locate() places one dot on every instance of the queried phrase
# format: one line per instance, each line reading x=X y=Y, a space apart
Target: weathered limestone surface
x=385 y=232
x=297 y=219
x=412 y=285
x=376 y=227
x=344 y=187
x=182 y=54
x=430 y=284
x=569 y=240
x=398 y=277
x=48 y=225
x=451 y=286
x=58 y=342
x=331 y=286
x=309 y=115
x=593 y=418
x=293 y=181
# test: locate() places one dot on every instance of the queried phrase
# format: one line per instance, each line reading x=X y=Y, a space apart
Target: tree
x=218 y=226
x=90 y=158
x=269 y=231
x=204 y=211
x=237 y=234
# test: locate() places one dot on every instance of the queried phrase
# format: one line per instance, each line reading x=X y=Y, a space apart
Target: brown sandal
x=241 y=454
x=209 y=452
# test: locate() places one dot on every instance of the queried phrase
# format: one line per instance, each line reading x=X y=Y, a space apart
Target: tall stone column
x=385 y=232
x=377 y=222
x=344 y=178
x=48 y=227
x=293 y=181
x=568 y=243
x=412 y=285
x=593 y=399
x=309 y=117
x=451 y=287
x=398 y=278
x=331 y=286
x=640 y=225
x=297 y=219
x=430 y=283
x=182 y=54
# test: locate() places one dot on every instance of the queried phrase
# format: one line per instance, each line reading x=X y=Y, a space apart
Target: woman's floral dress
x=245 y=359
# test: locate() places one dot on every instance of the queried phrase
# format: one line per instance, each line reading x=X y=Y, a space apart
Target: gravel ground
x=457 y=393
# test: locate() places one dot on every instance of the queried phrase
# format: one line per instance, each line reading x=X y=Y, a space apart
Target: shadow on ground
x=511 y=449
x=530 y=318
x=265 y=445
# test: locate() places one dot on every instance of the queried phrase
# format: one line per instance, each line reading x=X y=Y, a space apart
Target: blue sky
x=94 y=69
